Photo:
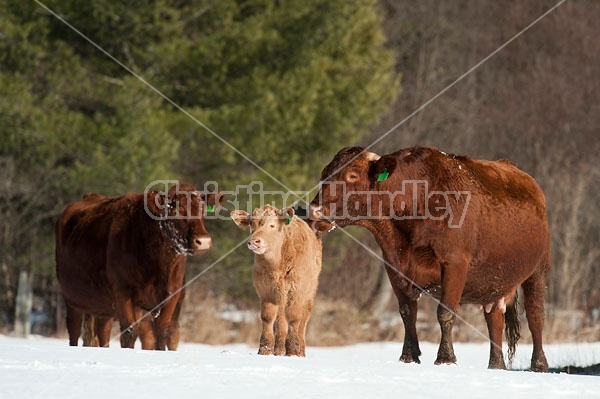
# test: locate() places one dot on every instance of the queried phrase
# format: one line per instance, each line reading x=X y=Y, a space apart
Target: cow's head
x=180 y=213
x=266 y=227
x=345 y=182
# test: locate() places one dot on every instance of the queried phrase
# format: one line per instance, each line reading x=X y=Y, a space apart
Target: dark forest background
x=289 y=84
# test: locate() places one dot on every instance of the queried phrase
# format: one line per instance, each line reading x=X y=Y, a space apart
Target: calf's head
x=266 y=227
x=342 y=199
x=180 y=214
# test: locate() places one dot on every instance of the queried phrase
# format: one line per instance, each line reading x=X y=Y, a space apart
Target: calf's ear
x=382 y=168
x=286 y=214
x=241 y=218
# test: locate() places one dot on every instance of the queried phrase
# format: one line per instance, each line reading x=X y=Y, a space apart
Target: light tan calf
x=287 y=262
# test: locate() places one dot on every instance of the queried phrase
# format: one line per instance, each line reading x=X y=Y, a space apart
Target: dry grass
x=334 y=322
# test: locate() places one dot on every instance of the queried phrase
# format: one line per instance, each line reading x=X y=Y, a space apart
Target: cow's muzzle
x=201 y=244
x=320 y=222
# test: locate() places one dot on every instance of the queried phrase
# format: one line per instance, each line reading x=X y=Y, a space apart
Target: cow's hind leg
x=74 y=319
x=454 y=275
x=495 y=324
x=89 y=335
x=533 y=290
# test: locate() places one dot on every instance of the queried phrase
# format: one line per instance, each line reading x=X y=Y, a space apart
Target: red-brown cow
x=122 y=254
x=466 y=231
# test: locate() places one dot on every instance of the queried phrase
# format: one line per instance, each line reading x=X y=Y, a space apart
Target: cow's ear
x=286 y=214
x=213 y=198
x=241 y=218
x=382 y=168
x=157 y=203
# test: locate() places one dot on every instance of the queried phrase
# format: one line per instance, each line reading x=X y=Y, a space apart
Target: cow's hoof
x=445 y=360
x=264 y=350
x=408 y=358
x=539 y=364
x=497 y=365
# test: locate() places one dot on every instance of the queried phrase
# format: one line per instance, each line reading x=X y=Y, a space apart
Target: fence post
x=23 y=306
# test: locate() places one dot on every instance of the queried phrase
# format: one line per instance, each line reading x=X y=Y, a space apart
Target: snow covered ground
x=49 y=368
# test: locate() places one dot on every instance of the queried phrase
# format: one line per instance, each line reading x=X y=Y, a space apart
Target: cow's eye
x=351 y=177
x=272 y=226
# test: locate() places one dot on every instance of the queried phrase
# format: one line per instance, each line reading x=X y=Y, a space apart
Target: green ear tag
x=383 y=175
x=210 y=208
x=288 y=220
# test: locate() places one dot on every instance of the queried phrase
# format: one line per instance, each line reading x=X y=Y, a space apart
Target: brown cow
x=464 y=230
x=287 y=263
x=126 y=254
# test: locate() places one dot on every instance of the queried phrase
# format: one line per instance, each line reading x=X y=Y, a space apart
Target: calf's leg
x=294 y=313
x=302 y=327
x=268 y=313
x=281 y=331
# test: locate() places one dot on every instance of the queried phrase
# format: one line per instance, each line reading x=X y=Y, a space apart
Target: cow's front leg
x=446 y=317
x=146 y=331
x=268 y=313
x=408 y=311
x=103 y=328
x=162 y=323
x=453 y=283
x=74 y=318
x=129 y=327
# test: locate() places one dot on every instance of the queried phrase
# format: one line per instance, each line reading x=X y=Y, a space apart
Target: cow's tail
x=512 y=328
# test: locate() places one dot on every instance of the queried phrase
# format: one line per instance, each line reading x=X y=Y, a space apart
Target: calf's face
x=266 y=227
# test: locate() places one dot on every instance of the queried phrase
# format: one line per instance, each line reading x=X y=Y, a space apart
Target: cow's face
x=182 y=212
x=346 y=184
x=266 y=227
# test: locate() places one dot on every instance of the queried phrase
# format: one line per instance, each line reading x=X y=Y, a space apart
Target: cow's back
x=505 y=226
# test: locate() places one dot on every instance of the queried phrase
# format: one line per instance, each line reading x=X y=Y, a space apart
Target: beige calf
x=287 y=262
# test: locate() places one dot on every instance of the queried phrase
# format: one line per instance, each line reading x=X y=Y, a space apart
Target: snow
x=48 y=368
